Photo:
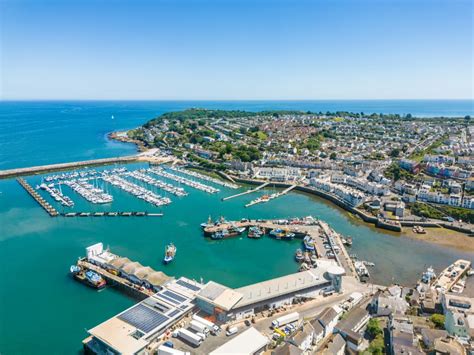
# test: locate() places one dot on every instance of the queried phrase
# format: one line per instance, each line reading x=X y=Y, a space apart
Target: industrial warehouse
x=227 y=304
x=143 y=326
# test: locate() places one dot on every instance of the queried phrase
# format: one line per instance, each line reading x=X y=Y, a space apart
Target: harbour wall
x=4 y=174
x=365 y=217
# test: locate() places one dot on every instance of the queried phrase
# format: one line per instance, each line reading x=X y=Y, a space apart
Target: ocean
x=44 y=311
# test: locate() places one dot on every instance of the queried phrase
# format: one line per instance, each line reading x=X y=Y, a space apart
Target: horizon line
x=240 y=99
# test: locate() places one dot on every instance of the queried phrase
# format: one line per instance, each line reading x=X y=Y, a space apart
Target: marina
x=91 y=193
x=45 y=205
x=57 y=195
x=137 y=191
x=194 y=184
x=204 y=177
x=139 y=175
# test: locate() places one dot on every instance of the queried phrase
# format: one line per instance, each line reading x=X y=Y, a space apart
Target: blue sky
x=229 y=49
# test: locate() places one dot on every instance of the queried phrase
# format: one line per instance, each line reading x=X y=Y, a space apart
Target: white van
x=232 y=331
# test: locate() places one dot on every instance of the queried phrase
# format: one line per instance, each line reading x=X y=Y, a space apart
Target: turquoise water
x=43 y=311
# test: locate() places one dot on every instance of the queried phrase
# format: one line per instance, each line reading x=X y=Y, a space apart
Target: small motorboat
x=299 y=255
x=170 y=253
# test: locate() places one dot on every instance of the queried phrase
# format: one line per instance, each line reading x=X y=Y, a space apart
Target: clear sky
x=236 y=49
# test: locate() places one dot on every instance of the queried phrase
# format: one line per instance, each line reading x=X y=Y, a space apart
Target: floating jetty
x=136 y=190
x=247 y=192
x=111 y=214
x=177 y=191
x=205 y=177
x=267 y=198
x=183 y=180
x=46 y=206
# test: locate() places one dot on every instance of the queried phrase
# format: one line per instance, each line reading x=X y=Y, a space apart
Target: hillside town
x=389 y=166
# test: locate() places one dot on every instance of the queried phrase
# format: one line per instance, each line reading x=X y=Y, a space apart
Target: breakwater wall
x=4 y=174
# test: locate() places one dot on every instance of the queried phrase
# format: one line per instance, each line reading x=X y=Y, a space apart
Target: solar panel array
x=143 y=318
x=175 y=296
x=175 y=312
x=162 y=296
x=188 y=285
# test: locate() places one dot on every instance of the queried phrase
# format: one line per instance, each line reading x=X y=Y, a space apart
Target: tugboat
x=299 y=255
x=255 y=232
x=170 y=252
x=309 y=243
x=89 y=277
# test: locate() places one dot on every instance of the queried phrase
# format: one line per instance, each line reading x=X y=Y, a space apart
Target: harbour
x=25 y=245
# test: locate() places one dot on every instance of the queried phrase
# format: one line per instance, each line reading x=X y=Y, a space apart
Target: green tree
x=333 y=156
x=395 y=152
x=376 y=346
x=438 y=320
x=373 y=328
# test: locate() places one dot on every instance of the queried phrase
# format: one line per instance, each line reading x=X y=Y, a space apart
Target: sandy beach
x=444 y=237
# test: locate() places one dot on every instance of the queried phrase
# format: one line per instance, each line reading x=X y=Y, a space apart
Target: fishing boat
x=88 y=277
x=308 y=242
x=255 y=232
x=299 y=255
x=170 y=253
x=220 y=234
x=362 y=271
x=428 y=275
x=207 y=224
x=281 y=234
x=347 y=241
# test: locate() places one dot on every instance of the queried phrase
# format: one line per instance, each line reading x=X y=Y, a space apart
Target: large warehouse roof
x=280 y=286
x=249 y=342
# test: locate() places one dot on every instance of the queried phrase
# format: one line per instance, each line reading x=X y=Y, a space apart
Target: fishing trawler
x=281 y=234
x=233 y=231
x=88 y=277
x=209 y=223
x=255 y=232
x=170 y=253
x=309 y=243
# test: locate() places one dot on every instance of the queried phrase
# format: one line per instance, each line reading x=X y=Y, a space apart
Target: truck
x=166 y=350
x=199 y=327
x=283 y=320
x=211 y=326
x=191 y=338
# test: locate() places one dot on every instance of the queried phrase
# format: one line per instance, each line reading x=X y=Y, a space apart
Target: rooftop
x=131 y=330
x=247 y=342
x=281 y=286
x=219 y=295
